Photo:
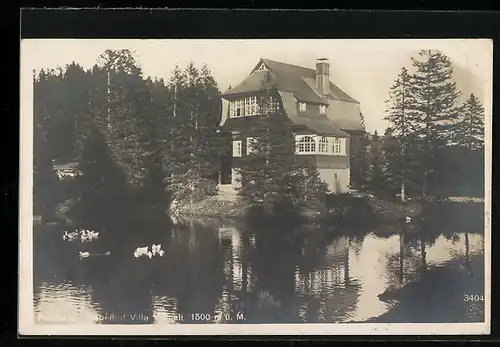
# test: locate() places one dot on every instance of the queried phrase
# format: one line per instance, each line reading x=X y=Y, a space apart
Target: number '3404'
x=473 y=297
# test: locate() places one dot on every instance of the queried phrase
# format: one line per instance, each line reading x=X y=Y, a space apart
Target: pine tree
x=45 y=181
x=271 y=174
x=377 y=178
x=195 y=147
x=359 y=157
x=271 y=159
x=128 y=102
x=433 y=113
x=467 y=168
x=359 y=161
x=470 y=129
x=399 y=107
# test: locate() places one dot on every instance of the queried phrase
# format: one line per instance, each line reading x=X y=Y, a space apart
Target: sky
x=365 y=69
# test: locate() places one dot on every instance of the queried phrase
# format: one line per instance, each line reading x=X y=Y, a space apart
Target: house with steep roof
x=325 y=118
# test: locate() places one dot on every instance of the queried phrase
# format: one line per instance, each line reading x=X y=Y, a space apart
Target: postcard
x=255 y=187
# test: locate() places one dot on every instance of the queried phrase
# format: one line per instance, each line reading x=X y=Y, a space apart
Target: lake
x=217 y=271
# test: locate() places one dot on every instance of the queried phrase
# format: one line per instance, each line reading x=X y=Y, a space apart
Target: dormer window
x=322 y=109
x=302 y=106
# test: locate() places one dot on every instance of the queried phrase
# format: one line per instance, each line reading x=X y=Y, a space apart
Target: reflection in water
x=216 y=272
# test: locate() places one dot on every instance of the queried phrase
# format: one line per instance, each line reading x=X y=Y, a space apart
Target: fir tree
x=359 y=161
x=45 y=181
x=433 y=111
x=359 y=157
x=128 y=102
x=470 y=128
x=399 y=106
x=377 y=178
x=272 y=151
x=271 y=174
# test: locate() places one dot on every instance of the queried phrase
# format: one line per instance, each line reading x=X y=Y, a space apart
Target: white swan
x=70 y=236
x=84 y=255
x=142 y=251
x=157 y=250
x=88 y=235
x=87 y=254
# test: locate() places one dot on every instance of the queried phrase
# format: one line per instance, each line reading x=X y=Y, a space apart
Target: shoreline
x=383 y=210
x=349 y=208
x=413 y=301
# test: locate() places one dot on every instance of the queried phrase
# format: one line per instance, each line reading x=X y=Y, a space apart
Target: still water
x=228 y=272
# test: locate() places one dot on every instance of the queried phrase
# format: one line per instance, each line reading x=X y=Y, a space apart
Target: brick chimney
x=323 y=75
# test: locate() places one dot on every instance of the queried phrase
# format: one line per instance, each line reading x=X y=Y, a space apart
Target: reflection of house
x=337 y=249
x=238 y=273
x=324 y=119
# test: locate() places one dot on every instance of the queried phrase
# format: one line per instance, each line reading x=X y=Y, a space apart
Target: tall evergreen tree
x=434 y=111
x=45 y=181
x=469 y=132
x=359 y=157
x=271 y=174
x=377 y=178
x=128 y=126
x=399 y=107
x=195 y=147
x=359 y=161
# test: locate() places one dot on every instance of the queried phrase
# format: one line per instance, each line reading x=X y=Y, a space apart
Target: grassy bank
x=208 y=207
x=448 y=284
x=344 y=208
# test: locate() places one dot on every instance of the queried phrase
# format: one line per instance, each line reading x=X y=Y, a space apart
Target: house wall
x=338 y=184
x=325 y=161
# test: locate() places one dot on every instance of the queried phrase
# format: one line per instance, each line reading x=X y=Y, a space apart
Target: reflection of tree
x=274 y=261
x=192 y=270
x=423 y=253
x=327 y=292
x=467 y=256
x=356 y=243
x=401 y=266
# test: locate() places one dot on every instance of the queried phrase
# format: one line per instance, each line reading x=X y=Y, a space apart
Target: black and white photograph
x=255 y=186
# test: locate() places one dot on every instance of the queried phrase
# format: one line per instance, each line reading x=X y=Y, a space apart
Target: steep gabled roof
x=299 y=81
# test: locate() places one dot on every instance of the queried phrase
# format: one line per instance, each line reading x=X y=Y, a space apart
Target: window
x=307 y=145
x=338 y=146
x=251 y=145
x=236 y=148
x=335 y=175
x=240 y=108
x=262 y=67
x=302 y=106
x=322 y=109
x=323 y=145
x=251 y=106
x=243 y=107
x=236 y=108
